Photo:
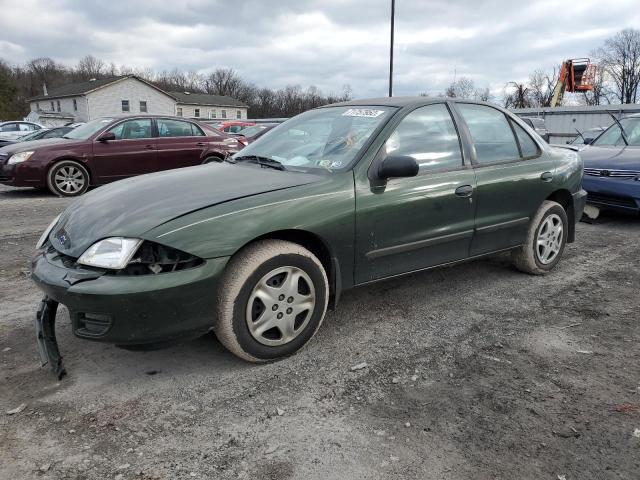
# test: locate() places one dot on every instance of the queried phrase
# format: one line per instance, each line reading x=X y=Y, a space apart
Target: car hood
x=129 y=208
x=615 y=158
x=35 y=144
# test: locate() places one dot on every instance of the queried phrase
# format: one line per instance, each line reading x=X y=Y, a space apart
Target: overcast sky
x=327 y=43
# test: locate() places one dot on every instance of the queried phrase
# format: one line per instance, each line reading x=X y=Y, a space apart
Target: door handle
x=200 y=144
x=546 y=177
x=149 y=147
x=464 y=191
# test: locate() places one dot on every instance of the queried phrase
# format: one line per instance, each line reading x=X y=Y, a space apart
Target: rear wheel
x=546 y=239
x=68 y=179
x=272 y=300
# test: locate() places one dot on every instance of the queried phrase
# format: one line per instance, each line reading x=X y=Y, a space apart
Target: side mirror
x=107 y=136
x=397 y=166
x=588 y=141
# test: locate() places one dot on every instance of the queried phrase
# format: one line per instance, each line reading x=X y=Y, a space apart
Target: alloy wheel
x=280 y=306
x=69 y=179
x=549 y=241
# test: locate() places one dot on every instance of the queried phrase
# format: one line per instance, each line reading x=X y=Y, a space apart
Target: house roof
x=82 y=88
x=206 y=99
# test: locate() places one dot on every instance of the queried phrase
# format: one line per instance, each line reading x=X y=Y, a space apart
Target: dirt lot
x=474 y=371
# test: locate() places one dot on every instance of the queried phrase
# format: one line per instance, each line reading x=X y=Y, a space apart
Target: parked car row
x=108 y=149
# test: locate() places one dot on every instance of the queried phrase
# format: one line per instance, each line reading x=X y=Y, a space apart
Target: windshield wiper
x=262 y=161
x=624 y=134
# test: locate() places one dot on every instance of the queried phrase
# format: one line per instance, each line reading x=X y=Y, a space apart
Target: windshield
x=613 y=137
x=85 y=131
x=325 y=138
x=31 y=136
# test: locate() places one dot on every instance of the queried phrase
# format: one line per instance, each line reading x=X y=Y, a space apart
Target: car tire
x=546 y=239
x=258 y=318
x=68 y=179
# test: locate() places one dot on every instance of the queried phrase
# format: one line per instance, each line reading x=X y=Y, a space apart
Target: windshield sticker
x=362 y=112
x=336 y=164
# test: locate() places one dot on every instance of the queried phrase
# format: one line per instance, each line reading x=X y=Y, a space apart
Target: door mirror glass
x=587 y=141
x=398 y=166
x=107 y=136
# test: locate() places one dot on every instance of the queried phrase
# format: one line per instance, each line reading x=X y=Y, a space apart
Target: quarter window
x=133 y=129
x=491 y=133
x=125 y=106
x=528 y=147
x=429 y=136
x=143 y=106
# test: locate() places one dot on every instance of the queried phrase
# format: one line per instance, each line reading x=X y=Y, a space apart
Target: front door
x=514 y=176
x=180 y=144
x=413 y=223
x=133 y=152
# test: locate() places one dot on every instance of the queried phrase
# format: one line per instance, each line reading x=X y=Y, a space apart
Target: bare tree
x=223 y=81
x=460 y=88
x=518 y=97
x=620 y=60
x=540 y=88
x=90 y=67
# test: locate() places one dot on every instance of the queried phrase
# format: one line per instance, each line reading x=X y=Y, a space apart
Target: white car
x=14 y=130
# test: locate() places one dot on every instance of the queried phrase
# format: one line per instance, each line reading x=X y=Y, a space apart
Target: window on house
x=75 y=105
x=212 y=113
x=238 y=114
x=52 y=106
x=224 y=114
x=179 y=111
x=58 y=104
x=37 y=105
x=143 y=106
x=125 y=106
x=196 y=112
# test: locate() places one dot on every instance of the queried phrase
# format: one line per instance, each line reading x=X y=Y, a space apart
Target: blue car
x=612 y=167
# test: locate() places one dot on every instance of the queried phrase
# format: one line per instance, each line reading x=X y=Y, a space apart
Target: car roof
x=401 y=102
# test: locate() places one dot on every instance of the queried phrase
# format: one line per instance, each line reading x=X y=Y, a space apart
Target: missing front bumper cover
x=46 y=337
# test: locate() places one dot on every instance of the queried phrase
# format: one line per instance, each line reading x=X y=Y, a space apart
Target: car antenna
x=624 y=134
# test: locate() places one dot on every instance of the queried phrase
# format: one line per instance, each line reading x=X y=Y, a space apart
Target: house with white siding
x=127 y=94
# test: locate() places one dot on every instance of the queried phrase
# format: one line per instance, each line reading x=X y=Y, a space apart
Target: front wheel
x=272 y=299
x=68 y=179
x=546 y=239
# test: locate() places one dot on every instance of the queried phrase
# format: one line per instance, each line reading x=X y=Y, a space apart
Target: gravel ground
x=473 y=371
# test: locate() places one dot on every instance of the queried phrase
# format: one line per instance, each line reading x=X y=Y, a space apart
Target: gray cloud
x=327 y=43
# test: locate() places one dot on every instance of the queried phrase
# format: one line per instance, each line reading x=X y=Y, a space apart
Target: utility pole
x=393 y=12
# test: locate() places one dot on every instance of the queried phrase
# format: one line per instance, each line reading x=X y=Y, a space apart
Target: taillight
x=243 y=141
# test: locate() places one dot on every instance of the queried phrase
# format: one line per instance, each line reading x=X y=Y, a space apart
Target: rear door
x=180 y=143
x=412 y=223
x=133 y=152
x=514 y=176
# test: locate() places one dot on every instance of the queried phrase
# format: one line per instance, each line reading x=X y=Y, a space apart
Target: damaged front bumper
x=46 y=337
x=122 y=309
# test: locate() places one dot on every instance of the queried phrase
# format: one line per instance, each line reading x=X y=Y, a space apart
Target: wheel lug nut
x=281 y=297
x=280 y=315
x=289 y=310
x=274 y=308
x=290 y=300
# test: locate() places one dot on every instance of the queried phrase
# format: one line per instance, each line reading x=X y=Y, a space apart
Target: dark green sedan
x=258 y=246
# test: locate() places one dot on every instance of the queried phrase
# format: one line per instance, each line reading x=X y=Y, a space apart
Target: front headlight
x=19 y=157
x=113 y=253
x=45 y=235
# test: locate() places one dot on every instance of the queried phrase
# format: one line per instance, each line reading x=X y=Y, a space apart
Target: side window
x=428 y=135
x=174 y=128
x=491 y=133
x=25 y=127
x=10 y=127
x=133 y=129
x=527 y=146
x=195 y=131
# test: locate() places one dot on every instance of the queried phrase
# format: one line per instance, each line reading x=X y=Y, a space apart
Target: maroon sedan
x=108 y=149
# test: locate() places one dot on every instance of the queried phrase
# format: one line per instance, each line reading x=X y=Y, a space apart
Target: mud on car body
x=257 y=247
